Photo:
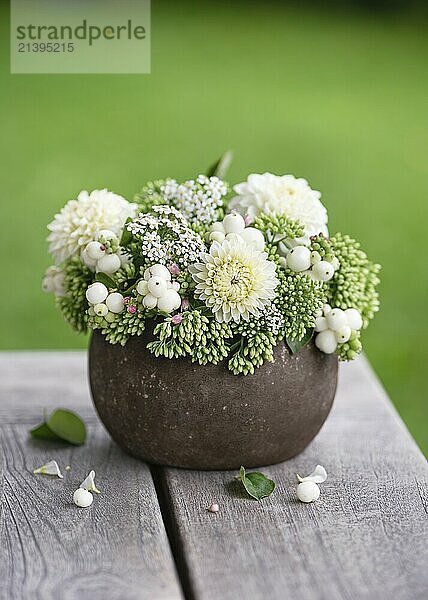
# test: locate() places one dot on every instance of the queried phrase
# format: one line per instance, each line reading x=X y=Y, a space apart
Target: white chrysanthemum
x=234 y=280
x=284 y=194
x=80 y=220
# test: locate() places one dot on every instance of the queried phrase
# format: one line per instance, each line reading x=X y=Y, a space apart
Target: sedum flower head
x=234 y=280
x=80 y=220
x=354 y=284
x=284 y=194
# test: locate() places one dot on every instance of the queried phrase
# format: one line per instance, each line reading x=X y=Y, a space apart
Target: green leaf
x=43 y=432
x=257 y=485
x=106 y=280
x=68 y=426
x=296 y=345
x=126 y=234
x=221 y=167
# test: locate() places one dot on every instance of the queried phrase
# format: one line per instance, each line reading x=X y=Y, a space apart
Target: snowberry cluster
x=159 y=290
x=234 y=224
x=301 y=259
x=53 y=281
x=335 y=326
x=103 y=254
x=103 y=304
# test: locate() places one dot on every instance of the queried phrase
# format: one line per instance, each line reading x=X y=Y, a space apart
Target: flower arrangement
x=216 y=273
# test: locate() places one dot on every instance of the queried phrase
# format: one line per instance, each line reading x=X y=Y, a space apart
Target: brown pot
x=174 y=412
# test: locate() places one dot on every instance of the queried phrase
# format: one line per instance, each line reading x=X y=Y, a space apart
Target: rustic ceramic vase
x=177 y=413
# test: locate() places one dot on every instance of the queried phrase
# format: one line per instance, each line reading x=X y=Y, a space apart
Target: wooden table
x=149 y=535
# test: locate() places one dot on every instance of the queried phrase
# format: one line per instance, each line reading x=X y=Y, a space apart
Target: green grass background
x=340 y=99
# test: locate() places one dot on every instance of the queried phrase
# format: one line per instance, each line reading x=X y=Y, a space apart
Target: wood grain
x=366 y=538
x=49 y=548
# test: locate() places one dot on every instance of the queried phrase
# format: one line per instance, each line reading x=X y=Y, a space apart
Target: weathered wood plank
x=50 y=549
x=366 y=538
x=32 y=381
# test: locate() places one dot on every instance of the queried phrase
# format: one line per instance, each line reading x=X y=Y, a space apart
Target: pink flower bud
x=185 y=304
x=176 y=319
x=127 y=300
x=174 y=269
x=248 y=220
x=132 y=309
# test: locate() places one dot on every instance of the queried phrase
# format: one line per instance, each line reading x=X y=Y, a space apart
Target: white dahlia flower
x=234 y=280
x=284 y=194
x=80 y=220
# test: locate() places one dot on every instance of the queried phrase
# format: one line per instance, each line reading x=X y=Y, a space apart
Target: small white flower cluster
x=196 y=200
x=103 y=304
x=335 y=326
x=234 y=225
x=166 y=237
x=99 y=256
x=273 y=318
x=53 y=281
x=158 y=289
x=301 y=260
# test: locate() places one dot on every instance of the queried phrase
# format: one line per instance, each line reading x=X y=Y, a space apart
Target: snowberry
x=253 y=237
x=353 y=318
x=321 y=324
x=299 y=258
x=174 y=285
x=82 y=498
x=109 y=264
x=48 y=285
x=59 y=285
x=142 y=287
x=326 y=309
x=87 y=260
x=157 y=286
x=336 y=319
x=160 y=271
x=95 y=250
x=315 y=257
x=323 y=270
x=233 y=223
x=106 y=234
x=149 y=301
x=343 y=334
x=217 y=236
x=218 y=226
x=335 y=263
x=100 y=309
x=308 y=491
x=115 y=303
x=96 y=293
x=326 y=341
x=110 y=317
x=169 y=302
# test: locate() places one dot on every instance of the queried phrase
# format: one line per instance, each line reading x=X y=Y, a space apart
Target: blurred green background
x=338 y=97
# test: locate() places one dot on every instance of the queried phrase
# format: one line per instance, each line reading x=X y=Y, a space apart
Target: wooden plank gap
x=175 y=540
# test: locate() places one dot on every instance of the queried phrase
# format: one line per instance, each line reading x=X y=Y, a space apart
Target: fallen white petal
x=318 y=475
x=89 y=483
x=50 y=468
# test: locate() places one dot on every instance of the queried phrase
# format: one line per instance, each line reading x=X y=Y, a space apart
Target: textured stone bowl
x=173 y=412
